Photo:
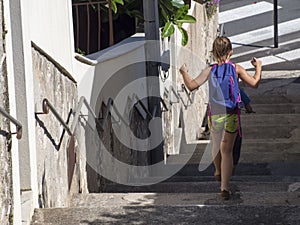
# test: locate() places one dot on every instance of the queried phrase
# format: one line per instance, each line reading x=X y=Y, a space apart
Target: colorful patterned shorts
x=227 y=122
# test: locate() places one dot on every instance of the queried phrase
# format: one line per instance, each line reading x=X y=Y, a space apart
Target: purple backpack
x=224 y=92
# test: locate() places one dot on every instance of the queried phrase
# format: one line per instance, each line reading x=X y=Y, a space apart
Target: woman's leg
x=227 y=159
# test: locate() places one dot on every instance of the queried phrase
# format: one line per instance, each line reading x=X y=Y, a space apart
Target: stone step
x=210 y=178
x=264 y=172
x=255 y=146
x=245 y=157
x=174 y=208
x=278 y=108
x=168 y=199
x=269 y=119
x=274 y=99
x=263 y=131
x=251 y=152
x=266 y=168
x=201 y=187
x=239 y=178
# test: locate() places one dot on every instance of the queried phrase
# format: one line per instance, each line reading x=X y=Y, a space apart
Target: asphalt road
x=249 y=25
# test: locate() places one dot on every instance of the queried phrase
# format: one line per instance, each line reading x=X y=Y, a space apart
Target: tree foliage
x=172 y=14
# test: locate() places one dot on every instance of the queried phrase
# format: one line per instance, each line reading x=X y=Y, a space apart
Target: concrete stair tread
x=173 y=214
x=271 y=140
x=250 y=140
x=210 y=178
x=246 y=157
x=254 y=148
x=241 y=178
x=180 y=199
x=289 y=108
x=275 y=99
x=278 y=118
x=204 y=187
x=280 y=168
x=262 y=144
x=174 y=208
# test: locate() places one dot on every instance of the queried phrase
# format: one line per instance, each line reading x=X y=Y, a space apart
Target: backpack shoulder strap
x=213 y=67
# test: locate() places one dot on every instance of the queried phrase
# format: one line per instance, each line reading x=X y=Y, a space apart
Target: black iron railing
x=87 y=15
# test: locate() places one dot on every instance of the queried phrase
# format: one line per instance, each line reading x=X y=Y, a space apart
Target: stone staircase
x=266 y=184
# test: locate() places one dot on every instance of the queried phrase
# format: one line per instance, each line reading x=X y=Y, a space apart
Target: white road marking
x=265 y=33
x=268 y=60
x=263 y=49
x=245 y=11
x=290 y=55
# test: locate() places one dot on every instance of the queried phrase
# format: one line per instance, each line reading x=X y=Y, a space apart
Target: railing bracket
x=14 y=121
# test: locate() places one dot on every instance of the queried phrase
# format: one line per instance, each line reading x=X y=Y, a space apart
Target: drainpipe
x=152 y=49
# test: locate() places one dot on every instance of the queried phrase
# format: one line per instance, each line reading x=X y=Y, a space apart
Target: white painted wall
x=30 y=106
x=13 y=112
x=51 y=29
x=48 y=24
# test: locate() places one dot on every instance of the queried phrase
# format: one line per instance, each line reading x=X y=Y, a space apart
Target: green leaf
x=177 y=3
x=186 y=19
x=181 y=12
x=114 y=7
x=168 y=29
x=118 y=1
x=167 y=5
x=185 y=37
x=164 y=15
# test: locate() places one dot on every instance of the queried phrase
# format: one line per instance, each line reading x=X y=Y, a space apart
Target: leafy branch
x=173 y=13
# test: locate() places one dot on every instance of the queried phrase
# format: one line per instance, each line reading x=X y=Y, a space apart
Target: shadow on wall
x=49 y=135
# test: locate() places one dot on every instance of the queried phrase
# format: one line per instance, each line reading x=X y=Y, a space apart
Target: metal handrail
x=164 y=104
x=187 y=93
x=47 y=107
x=14 y=121
x=171 y=89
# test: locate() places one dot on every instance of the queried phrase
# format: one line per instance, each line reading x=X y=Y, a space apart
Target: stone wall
x=197 y=55
x=59 y=163
x=202 y=35
x=6 y=193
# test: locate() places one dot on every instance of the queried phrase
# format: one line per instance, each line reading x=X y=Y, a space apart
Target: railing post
x=99 y=26
x=88 y=28
x=111 y=27
x=77 y=27
x=275 y=19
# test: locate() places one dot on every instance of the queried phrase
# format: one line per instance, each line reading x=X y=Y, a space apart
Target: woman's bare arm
x=252 y=81
x=193 y=84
